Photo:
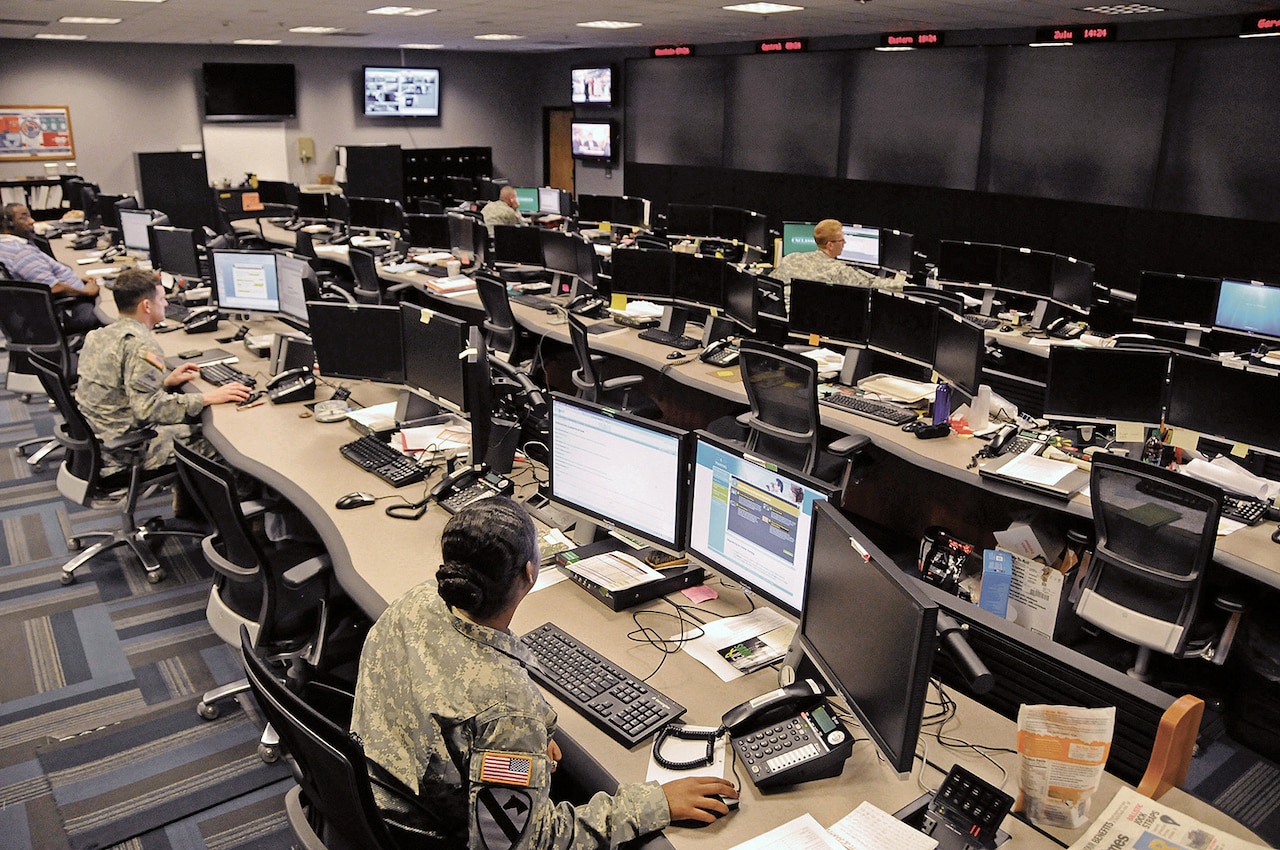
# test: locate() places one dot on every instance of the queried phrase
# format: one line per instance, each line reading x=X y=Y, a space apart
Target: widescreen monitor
x=688 y=220
x=517 y=245
x=588 y=263
x=861 y=245
x=622 y=471
x=402 y=92
x=432 y=344
x=1225 y=402
x=360 y=341
x=1249 y=307
x=742 y=297
x=797 y=238
x=133 y=231
x=591 y=140
x=613 y=208
x=429 y=231
x=749 y=520
x=903 y=326
x=642 y=272
x=249 y=91
x=958 y=351
x=527 y=197
x=552 y=201
x=376 y=214
x=559 y=251
x=836 y=313
x=278 y=192
x=1072 y=282
x=729 y=223
x=1106 y=385
x=879 y=659
x=592 y=85
x=173 y=250
x=313 y=205
x=1176 y=300
x=699 y=280
x=1025 y=271
x=245 y=280
x=968 y=262
x=292 y=272
x=896 y=250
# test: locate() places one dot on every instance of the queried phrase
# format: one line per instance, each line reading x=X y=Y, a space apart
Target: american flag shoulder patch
x=506 y=768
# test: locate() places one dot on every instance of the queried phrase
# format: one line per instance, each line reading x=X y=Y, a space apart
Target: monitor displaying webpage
x=246 y=280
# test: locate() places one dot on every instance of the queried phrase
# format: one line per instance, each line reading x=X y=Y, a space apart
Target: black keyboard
x=373 y=455
x=622 y=706
x=176 y=310
x=1243 y=509
x=539 y=301
x=224 y=373
x=987 y=323
x=881 y=410
x=683 y=343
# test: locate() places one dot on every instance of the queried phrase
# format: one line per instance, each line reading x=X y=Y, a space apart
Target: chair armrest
x=850 y=445
x=1173 y=748
x=130 y=440
x=399 y=287
x=252 y=508
x=235 y=572
x=310 y=569
x=622 y=382
x=334 y=289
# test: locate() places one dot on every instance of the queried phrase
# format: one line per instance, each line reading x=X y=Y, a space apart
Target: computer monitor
x=360 y=341
x=1072 y=282
x=836 y=313
x=619 y=209
x=968 y=262
x=245 y=280
x=376 y=214
x=429 y=231
x=896 y=250
x=958 y=351
x=559 y=251
x=1249 y=307
x=133 y=231
x=468 y=238
x=292 y=271
x=432 y=344
x=1025 y=271
x=587 y=263
x=1106 y=385
x=861 y=245
x=749 y=520
x=642 y=272
x=1176 y=300
x=742 y=297
x=622 y=471
x=881 y=658
x=517 y=245
x=173 y=250
x=527 y=197
x=729 y=223
x=278 y=192
x=797 y=238
x=339 y=209
x=698 y=280
x=313 y=205
x=903 y=326
x=553 y=201
x=1225 y=402
x=688 y=220
x=479 y=386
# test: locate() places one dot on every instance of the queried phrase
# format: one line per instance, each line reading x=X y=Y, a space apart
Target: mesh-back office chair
x=81 y=479
x=1155 y=532
x=783 y=425
x=29 y=319
x=327 y=288
x=370 y=288
x=622 y=392
x=502 y=336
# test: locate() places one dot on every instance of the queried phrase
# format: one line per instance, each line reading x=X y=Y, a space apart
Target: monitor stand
x=674 y=319
x=988 y=302
x=1193 y=336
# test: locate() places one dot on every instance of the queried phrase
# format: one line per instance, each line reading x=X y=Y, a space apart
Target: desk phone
x=470 y=484
x=788 y=736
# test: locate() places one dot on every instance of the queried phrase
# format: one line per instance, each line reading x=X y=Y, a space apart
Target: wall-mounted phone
x=469 y=484
x=788 y=736
x=1060 y=328
x=720 y=353
x=295 y=385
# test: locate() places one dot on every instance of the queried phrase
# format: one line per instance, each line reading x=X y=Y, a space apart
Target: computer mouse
x=355 y=500
x=675 y=355
x=697 y=824
x=1004 y=329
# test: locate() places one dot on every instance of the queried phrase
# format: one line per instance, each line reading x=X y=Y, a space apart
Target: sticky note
x=1130 y=432
x=617 y=302
x=814 y=339
x=1184 y=438
x=1239 y=450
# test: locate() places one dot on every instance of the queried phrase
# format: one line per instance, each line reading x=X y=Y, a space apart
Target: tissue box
x=997 y=576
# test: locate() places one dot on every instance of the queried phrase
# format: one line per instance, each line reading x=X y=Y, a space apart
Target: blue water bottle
x=942 y=404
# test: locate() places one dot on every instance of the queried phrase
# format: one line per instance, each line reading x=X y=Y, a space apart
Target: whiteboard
x=232 y=149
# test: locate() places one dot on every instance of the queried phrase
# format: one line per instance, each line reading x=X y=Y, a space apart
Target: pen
x=866 y=556
x=250 y=406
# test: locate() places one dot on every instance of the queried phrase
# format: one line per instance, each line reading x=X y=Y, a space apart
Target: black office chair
x=783 y=424
x=502 y=336
x=30 y=322
x=370 y=288
x=430 y=206
x=81 y=479
x=1155 y=532
x=622 y=392
x=42 y=242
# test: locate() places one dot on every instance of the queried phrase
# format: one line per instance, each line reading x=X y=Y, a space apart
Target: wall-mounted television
x=592 y=85
x=592 y=140
x=249 y=91
x=402 y=92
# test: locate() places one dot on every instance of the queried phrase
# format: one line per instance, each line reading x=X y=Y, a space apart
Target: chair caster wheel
x=209 y=711
x=269 y=755
x=153 y=525
x=74 y=544
x=25 y=398
x=155 y=576
x=67 y=578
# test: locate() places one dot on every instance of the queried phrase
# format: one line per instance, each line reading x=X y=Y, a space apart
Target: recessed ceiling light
x=422 y=46
x=407 y=11
x=498 y=36
x=609 y=25
x=315 y=30
x=1122 y=9
x=60 y=36
x=262 y=42
x=80 y=19
x=763 y=8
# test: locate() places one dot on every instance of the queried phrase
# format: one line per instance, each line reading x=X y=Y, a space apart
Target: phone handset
x=788 y=736
x=461 y=478
x=762 y=710
x=294 y=385
x=470 y=484
x=584 y=304
x=1003 y=440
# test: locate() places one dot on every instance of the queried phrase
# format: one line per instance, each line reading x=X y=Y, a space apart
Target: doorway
x=557 y=154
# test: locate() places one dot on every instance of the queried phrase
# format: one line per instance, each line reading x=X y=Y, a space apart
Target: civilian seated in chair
x=444 y=699
x=505 y=210
x=25 y=261
x=123 y=381
x=822 y=264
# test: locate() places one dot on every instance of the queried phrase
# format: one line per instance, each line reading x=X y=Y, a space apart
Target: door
x=557 y=155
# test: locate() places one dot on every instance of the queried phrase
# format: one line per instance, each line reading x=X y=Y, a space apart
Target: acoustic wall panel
x=784 y=114
x=675 y=111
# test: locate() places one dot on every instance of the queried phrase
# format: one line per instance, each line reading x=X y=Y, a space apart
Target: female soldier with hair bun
x=446 y=709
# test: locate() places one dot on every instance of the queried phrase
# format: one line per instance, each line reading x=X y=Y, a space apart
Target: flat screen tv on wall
x=249 y=91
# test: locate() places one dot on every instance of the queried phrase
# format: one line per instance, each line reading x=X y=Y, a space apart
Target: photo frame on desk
x=33 y=133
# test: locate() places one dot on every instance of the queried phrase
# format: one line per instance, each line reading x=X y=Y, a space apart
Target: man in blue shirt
x=24 y=261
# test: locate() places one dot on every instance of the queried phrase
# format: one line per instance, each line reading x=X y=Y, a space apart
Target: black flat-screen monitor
x=903 y=326
x=559 y=251
x=749 y=520
x=469 y=239
x=834 y=312
x=245 y=280
x=1226 y=402
x=729 y=223
x=1072 y=282
x=360 y=341
x=173 y=250
x=588 y=263
x=591 y=140
x=689 y=220
x=429 y=231
x=1177 y=300
x=278 y=192
x=620 y=470
x=292 y=272
x=1025 y=271
x=402 y=92
x=313 y=204
x=1106 y=385
x=896 y=250
x=249 y=91
x=958 y=351
x=879 y=659
x=742 y=297
x=592 y=85
x=698 y=280
x=642 y=272
x=553 y=201
x=968 y=262
x=517 y=245
x=432 y=344
x=613 y=208
x=861 y=245
x=376 y=214
x=1249 y=307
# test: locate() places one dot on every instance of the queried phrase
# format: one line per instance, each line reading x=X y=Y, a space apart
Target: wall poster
x=35 y=133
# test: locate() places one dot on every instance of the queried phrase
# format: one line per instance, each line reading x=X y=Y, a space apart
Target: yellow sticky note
x=725 y=373
x=1130 y=432
x=1239 y=450
x=1183 y=438
x=617 y=302
x=605 y=226
x=814 y=339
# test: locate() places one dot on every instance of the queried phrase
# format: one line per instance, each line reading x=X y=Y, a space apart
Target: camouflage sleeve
x=144 y=373
x=511 y=807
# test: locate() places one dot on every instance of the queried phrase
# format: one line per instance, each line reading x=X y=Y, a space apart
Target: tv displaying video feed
x=592 y=85
x=592 y=140
x=403 y=92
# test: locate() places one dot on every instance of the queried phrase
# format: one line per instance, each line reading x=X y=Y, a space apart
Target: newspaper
x=1134 y=822
x=1063 y=753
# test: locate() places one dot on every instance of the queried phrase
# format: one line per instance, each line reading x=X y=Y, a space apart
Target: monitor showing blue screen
x=246 y=280
x=1249 y=307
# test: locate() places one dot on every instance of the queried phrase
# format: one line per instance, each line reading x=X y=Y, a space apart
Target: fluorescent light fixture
x=893 y=49
x=60 y=36
x=1050 y=44
x=315 y=30
x=1122 y=9
x=763 y=8
x=413 y=46
x=609 y=25
x=81 y=19
x=261 y=42
x=406 y=11
x=140 y=1
x=498 y=36
x=1260 y=35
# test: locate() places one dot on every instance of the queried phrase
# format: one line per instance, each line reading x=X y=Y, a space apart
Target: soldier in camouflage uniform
x=505 y=210
x=445 y=709
x=822 y=264
x=123 y=382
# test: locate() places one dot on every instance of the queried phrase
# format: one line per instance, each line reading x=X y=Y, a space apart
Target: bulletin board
x=35 y=133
